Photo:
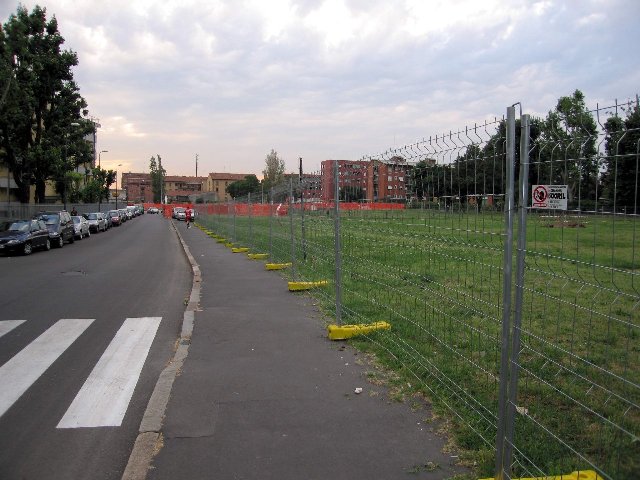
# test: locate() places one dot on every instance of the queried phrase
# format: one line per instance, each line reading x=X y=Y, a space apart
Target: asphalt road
x=67 y=364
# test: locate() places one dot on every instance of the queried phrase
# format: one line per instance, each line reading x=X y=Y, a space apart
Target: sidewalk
x=263 y=394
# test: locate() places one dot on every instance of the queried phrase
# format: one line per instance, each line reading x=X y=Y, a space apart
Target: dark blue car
x=23 y=236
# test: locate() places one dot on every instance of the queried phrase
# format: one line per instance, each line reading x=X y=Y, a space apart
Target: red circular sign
x=540 y=194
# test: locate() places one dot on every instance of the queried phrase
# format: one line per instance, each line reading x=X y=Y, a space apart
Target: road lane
x=134 y=271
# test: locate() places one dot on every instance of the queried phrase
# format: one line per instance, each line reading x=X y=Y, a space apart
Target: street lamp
x=101 y=191
x=117 y=186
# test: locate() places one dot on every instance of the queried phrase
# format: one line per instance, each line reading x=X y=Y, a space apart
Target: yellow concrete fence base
x=579 y=475
x=299 y=286
x=240 y=250
x=276 y=266
x=342 y=332
x=257 y=256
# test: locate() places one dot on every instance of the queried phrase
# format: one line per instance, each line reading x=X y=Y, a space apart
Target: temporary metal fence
x=518 y=320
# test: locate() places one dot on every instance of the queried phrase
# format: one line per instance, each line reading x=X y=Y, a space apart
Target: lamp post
x=117 y=186
x=102 y=185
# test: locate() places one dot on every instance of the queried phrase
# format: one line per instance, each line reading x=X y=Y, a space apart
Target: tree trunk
x=23 y=190
x=40 y=190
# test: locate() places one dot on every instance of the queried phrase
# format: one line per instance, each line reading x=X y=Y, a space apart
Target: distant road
x=84 y=333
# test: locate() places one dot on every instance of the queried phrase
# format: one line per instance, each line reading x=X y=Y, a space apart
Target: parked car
x=123 y=214
x=107 y=220
x=179 y=213
x=80 y=227
x=97 y=222
x=114 y=216
x=24 y=236
x=153 y=210
x=60 y=227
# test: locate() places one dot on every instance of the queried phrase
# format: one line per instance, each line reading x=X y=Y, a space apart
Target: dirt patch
x=566 y=224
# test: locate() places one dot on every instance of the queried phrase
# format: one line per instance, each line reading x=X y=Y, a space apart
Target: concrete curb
x=149 y=440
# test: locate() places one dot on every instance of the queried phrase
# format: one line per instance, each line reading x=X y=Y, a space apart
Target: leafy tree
x=97 y=188
x=622 y=146
x=569 y=133
x=250 y=184
x=157 y=178
x=273 y=172
x=41 y=126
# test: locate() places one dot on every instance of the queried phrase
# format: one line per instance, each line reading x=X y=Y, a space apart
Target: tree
x=157 y=178
x=273 y=172
x=41 y=126
x=570 y=135
x=622 y=146
x=97 y=188
x=250 y=184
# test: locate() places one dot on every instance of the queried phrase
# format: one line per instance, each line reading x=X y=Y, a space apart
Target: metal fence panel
x=420 y=236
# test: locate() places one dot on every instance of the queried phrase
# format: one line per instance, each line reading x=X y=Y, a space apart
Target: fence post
x=506 y=297
x=233 y=204
x=337 y=247
x=271 y=225
x=293 y=241
x=250 y=220
x=304 y=242
x=519 y=284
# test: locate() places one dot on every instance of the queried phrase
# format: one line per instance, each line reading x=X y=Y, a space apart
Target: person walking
x=187 y=217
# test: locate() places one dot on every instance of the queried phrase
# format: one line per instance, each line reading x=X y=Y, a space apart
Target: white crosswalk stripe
x=105 y=396
x=7 y=325
x=19 y=373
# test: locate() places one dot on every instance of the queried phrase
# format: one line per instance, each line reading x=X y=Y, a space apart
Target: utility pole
x=196 y=164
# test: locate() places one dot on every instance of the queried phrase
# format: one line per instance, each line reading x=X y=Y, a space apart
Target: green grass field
x=437 y=277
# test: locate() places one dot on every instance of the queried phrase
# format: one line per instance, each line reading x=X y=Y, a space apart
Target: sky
x=230 y=80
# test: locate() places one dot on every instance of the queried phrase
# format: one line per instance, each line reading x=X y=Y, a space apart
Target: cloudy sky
x=322 y=79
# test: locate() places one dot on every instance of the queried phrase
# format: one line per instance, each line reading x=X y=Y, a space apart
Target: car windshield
x=19 y=227
x=92 y=216
x=76 y=219
x=113 y=214
x=50 y=219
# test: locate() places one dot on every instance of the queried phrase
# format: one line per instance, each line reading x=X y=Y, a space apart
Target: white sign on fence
x=553 y=197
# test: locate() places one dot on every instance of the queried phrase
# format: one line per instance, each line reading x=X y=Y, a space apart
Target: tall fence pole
x=233 y=204
x=293 y=238
x=519 y=284
x=250 y=220
x=506 y=296
x=337 y=246
x=271 y=224
x=304 y=242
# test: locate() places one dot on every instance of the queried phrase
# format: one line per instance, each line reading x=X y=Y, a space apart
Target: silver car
x=80 y=227
x=97 y=222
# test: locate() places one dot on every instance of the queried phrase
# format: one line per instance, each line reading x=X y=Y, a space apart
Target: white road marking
x=19 y=373
x=7 y=325
x=105 y=396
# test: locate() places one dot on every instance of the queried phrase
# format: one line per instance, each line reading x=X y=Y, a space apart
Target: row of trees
x=565 y=150
x=43 y=117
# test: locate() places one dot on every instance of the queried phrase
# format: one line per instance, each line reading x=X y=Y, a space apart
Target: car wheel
x=27 y=249
x=47 y=245
x=60 y=242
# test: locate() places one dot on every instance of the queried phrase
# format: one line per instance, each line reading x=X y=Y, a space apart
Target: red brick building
x=352 y=179
x=388 y=180
x=137 y=187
